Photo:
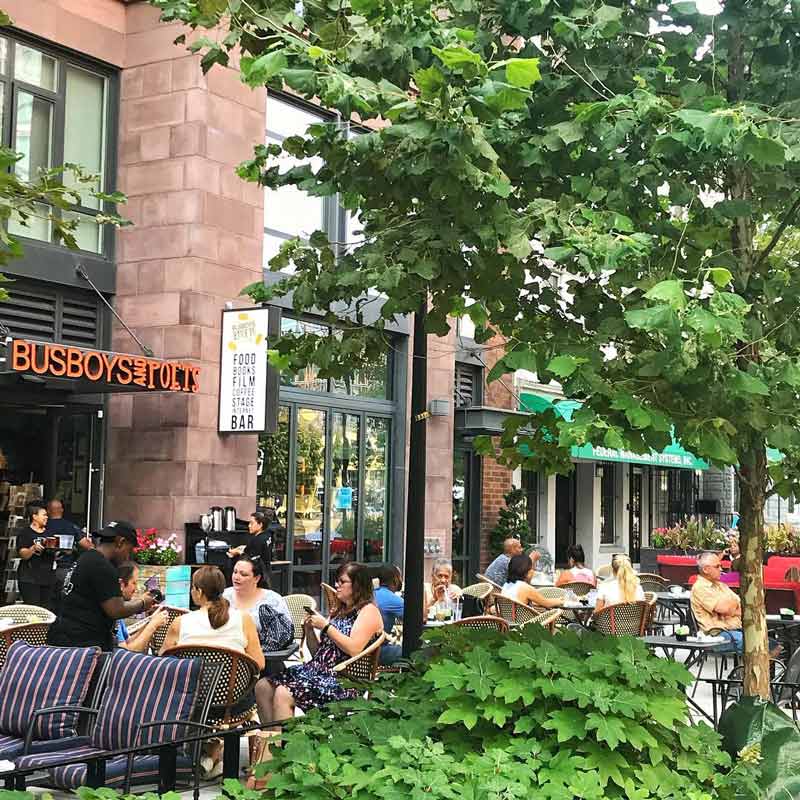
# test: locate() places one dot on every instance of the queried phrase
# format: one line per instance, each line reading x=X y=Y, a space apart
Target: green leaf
x=670 y=292
x=266 y=67
x=720 y=276
x=657 y=318
x=568 y=723
x=716 y=447
x=745 y=383
x=523 y=72
x=456 y=56
x=429 y=80
x=564 y=366
x=559 y=254
x=607 y=729
x=763 y=150
x=716 y=127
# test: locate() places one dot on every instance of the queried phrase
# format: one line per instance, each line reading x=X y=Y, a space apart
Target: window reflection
x=307 y=378
x=309 y=500
x=273 y=478
x=376 y=489
x=344 y=476
x=369 y=381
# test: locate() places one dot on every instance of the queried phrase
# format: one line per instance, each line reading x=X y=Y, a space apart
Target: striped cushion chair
x=140 y=690
x=35 y=678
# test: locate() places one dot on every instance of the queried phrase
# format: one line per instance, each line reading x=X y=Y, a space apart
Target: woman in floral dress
x=353 y=624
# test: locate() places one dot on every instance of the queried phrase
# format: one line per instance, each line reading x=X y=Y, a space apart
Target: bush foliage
x=519 y=715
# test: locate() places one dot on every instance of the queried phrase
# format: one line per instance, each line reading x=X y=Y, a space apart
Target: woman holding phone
x=351 y=627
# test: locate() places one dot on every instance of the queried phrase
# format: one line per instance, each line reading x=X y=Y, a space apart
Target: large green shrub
x=519 y=715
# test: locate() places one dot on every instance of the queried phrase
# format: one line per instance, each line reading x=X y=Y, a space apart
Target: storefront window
x=273 y=478
x=307 y=378
x=309 y=497
x=371 y=381
x=608 y=534
x=530 y=485
x=60 y=116
x=345 y=446
x=376 y=490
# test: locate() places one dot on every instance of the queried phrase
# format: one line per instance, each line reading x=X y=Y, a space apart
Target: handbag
x=276 y=629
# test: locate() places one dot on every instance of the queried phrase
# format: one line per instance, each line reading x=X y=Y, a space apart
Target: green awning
x=672 y=456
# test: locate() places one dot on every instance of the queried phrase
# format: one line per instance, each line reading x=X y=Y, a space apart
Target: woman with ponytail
x=623 y=588
x=215 y=623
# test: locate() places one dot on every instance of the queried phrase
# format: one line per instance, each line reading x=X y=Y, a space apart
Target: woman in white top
x=214 y=624
x=518 y=586
x=248 y=595
x=624 y=587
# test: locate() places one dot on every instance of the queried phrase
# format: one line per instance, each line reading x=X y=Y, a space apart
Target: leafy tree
x=512 y=521
x=609 y=182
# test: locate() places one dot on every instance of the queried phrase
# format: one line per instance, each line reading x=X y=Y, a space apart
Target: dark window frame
x=64 y=59
x=608 y=504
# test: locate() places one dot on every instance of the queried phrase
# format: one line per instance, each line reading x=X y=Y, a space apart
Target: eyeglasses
x=339 y=582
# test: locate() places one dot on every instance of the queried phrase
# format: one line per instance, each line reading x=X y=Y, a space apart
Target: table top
x=670 y=597
x=690 y=644
x=576 y=605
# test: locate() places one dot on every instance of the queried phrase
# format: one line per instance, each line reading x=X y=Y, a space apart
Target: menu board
x=243 y=371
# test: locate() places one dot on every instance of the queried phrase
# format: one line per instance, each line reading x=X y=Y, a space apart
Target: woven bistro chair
x=580 y=588
x=331 y=600
x=34 y=633
x=623 y=619
x=483 y=579
x=22 y=614
x=362 y=668
x=483 y=623
x=238 y=677
x=297 y=603
x=513 y=612
x=557 y=593
x=481 y=592
x=652 y=582
x=547 y=619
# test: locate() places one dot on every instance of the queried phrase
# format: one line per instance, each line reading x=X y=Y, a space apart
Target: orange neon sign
x=113 y=369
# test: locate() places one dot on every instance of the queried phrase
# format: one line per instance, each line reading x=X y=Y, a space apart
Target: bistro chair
x=297 y=604
x=558 y=593
x=604 y=572
x=513 y=612
x=580 y=588
x=483 y=579
x=362 y=668
x=652 y=582
x=34 y=633
x=547 y=619
x=482 y=623
x=331 y=600
x=479 y=593
x=21 y=614
x=623 y=619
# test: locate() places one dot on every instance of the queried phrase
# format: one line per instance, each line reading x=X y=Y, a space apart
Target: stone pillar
x=195 y=243
x=439 y=462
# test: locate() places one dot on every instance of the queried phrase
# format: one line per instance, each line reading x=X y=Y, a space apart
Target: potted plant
x=682 y=633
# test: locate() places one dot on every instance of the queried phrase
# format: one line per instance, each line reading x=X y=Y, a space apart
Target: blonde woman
x=624 y=587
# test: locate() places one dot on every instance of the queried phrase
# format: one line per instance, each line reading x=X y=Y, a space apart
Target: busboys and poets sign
x=243 y=371
x=111 y=371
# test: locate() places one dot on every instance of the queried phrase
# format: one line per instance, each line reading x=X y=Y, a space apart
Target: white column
x=622 y=495
x=547 y=512
x=587 y=511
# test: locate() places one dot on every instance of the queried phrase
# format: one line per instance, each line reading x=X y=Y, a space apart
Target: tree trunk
x=753 y=489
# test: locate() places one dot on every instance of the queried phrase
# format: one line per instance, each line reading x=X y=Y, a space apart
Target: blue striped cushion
x=33 y=678
x=41 y=760
x=144 y=688
x=12 y=746
x=145 y=771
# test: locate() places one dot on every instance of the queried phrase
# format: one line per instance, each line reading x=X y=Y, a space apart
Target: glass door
x=635 y=514
x=466 y=513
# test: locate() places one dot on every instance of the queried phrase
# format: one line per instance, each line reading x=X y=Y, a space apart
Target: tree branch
x=785 y=222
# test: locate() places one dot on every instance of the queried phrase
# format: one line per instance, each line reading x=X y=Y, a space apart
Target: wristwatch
x=324 y=631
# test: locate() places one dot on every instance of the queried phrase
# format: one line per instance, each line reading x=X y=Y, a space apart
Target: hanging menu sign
x=243 y=371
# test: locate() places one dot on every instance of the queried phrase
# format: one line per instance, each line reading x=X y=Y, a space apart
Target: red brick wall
x=496 y=479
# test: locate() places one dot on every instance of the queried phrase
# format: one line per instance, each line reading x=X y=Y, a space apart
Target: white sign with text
x=243 y=371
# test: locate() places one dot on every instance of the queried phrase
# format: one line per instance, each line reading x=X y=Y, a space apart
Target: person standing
x=65 y=556
x=36 y=574
x=260 y=544
x=92 y=598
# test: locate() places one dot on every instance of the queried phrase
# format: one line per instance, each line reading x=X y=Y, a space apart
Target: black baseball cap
x=121 y=528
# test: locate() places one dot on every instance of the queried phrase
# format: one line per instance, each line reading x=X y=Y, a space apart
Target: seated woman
x=249 y=594
x=624 y=587
x=215 y=624
x=354 y=624
x=577 y=571
x=139 y=641
x=518 y=586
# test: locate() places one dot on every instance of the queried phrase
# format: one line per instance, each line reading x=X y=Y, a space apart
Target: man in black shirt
x=93 y=601
x=66 y=556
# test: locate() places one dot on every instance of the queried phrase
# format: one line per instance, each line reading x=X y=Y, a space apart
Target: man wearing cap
x=92 y=601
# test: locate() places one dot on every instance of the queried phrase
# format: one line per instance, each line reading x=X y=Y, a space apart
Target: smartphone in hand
x=308 y=609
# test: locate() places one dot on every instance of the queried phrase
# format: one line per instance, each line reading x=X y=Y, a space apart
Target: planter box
x=174 y=582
